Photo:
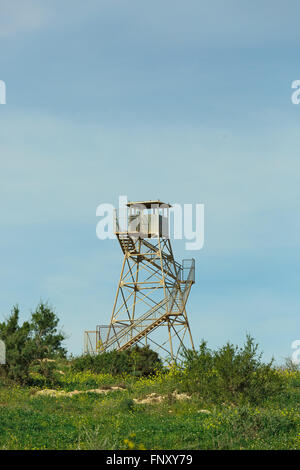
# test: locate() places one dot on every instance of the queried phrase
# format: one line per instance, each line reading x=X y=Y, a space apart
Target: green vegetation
x=31 y=343
x=232 y=374
x=120 y=418
x=224 y=399
x=136 y=361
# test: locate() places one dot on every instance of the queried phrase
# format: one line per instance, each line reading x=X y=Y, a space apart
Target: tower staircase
x=171 y=306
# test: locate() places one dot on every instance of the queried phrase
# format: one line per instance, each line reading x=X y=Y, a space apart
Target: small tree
x=18 y=348
x=34 y=340
x=47 y=340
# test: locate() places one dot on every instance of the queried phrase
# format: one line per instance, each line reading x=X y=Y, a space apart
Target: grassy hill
x=85 y=410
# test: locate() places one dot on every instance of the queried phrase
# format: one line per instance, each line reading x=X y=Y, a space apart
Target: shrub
x=137 y=361
x=144 y=361
x=231 y=374
x=44 y=373
x=32 y=341
x=113 y=362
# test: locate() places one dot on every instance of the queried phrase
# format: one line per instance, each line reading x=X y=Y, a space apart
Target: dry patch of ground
x=62 y=393
x=149 y=399
x=155 y=398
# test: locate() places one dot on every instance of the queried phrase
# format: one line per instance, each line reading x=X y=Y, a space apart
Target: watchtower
x=151 y=297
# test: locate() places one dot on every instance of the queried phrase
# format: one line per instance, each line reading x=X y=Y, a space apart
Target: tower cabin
x=144 y=219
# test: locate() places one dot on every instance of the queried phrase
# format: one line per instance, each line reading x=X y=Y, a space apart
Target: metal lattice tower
x=150 y=303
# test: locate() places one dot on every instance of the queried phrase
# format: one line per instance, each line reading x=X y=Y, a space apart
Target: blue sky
x=197 y=95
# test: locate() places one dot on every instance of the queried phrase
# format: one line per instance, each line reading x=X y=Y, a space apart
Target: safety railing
x=125 y=334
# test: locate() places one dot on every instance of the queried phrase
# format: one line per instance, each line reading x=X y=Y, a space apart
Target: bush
x=144 y=361
x=30 y=342
x=231 y=374
x=44 y=373
x=112 y=362
x=138 y=361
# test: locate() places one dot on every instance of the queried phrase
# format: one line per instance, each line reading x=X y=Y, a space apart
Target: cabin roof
x=148 y=204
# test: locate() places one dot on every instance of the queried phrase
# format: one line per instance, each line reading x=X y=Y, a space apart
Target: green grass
x=115 y=421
